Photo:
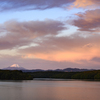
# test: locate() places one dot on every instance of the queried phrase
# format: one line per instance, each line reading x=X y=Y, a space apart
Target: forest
x=20 y=75
x=14 y=75
x=95 y=75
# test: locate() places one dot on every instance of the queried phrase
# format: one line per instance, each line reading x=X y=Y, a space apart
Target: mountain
x=71 y=70
x=60 y=70
x=14 y=67
x=17 y=67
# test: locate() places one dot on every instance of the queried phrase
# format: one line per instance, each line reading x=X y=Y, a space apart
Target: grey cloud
x=96 y=59
x=23 y=33
x=32 y=4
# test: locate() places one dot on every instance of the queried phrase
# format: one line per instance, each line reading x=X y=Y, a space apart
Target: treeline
x=19 y=75
x=87 y=75
x=14 y=75
x=67 y=75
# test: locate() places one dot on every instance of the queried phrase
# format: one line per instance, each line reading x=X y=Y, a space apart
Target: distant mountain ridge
x=60 y=70
x=72 y=70
x=17 y=67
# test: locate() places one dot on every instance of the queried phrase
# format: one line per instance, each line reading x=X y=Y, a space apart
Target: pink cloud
x=45 y=64
x=88 y=21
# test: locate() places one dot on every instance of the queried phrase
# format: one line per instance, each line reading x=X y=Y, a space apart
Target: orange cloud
x=84 y=53
x=86 y=3
x=83 y=3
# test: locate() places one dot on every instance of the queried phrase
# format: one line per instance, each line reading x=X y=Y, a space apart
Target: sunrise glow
x=44 y=33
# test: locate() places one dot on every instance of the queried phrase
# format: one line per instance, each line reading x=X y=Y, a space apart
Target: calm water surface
x=49 y=90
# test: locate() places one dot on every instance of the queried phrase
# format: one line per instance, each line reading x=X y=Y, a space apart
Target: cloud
x=72 y=48
x=86 y=3
x=16 y=34
x=88 y=21
x=96 y=59
x=51 y=50
x=8 y=5
x=44 y=64
x=31 y=4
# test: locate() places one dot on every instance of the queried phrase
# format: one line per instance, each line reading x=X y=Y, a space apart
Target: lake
x=50 y=90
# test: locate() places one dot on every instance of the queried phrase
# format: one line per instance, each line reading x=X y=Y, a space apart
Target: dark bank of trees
x=19 y=75
x=95 y=75
x=87 y=75
x=14 y=75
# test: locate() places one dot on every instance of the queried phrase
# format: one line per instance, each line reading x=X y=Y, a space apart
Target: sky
x=50 y=34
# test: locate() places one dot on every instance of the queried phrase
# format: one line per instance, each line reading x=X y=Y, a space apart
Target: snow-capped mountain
x=14 y=67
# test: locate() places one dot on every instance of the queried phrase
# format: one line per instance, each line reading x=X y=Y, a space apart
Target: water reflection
x=49 y=90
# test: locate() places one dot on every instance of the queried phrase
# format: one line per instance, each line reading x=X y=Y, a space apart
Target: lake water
x=50 y=90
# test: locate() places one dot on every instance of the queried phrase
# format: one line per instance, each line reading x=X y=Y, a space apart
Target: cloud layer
x=22 y=33
x=49 y=46
x=72 y=48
